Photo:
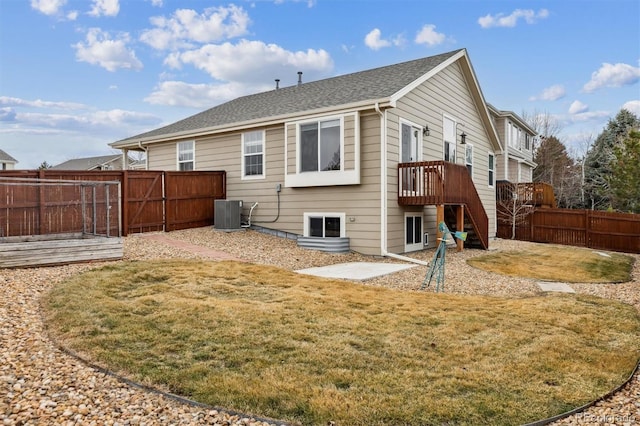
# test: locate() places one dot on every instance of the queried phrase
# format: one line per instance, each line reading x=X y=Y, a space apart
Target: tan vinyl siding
x=291 y=148
x=445 y=93
x=163 y=156
x=349 y=142
x=360 y=203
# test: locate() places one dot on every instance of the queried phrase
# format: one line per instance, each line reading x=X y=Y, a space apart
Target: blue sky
x=76 y=75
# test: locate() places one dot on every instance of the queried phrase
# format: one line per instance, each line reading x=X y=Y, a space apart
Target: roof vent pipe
x=299 y=78
x=277 y=83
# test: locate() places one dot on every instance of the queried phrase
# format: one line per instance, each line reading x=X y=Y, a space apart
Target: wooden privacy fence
x=150 y=200
x=582 y=228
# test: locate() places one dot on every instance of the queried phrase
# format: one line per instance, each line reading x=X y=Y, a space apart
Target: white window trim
x=342 y=216
x=328 y=177
x=489 y=170
x=193 y=149
x=456 y=122
x=473 y=169
x=416 y=245
x=419 y=141
x=264 y=158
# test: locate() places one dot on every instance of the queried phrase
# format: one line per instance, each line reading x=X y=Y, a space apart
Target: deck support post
x=459 y=226
x=439 y=218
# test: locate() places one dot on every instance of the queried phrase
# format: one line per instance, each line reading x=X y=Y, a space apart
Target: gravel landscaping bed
x=40 y=384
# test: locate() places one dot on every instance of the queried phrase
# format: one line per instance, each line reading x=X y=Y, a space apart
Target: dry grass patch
x=558 y=263
x=273 y=343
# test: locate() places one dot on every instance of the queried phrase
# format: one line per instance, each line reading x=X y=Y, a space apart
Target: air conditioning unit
x=227 y=214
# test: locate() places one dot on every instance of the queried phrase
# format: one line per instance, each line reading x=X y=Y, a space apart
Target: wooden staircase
x=441 y=183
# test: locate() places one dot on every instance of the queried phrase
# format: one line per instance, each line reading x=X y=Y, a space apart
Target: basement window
x=324 y=225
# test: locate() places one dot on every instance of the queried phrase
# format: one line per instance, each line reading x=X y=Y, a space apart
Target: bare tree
x=512 y=206
x=545 y=124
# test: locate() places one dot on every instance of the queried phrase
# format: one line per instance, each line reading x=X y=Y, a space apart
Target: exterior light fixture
x=463 y=138
x=425 y=130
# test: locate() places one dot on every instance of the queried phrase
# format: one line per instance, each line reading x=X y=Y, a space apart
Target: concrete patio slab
x=358 y=271
x=555 y=286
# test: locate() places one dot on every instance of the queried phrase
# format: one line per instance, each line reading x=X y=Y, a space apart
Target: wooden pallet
x=45 y=250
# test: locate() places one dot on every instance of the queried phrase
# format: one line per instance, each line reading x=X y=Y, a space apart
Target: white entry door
x=412 y=232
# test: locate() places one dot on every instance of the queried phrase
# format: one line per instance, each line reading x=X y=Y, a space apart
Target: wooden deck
x=32 y=251
x=440 y=183
x=536 y=194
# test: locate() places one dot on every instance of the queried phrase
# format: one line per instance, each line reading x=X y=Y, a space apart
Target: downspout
x=383 y=193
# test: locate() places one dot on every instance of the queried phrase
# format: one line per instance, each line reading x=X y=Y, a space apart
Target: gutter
x=383 y=193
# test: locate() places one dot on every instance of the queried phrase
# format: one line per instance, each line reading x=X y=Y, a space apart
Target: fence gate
x=144 y=201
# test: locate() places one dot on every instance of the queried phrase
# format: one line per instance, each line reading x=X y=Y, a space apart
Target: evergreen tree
x=556 y=168
x=601 y=157
x=625 y=176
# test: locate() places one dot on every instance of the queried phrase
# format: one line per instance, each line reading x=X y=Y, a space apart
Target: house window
x=186 y=157
x=492 y=170
x=449 y=133
x=253 y=166
x=515 y=137
x=324 y=225
x=413 y=231
x=527 y=142
x=410 y=143
x=320 y=146
x=468 y=158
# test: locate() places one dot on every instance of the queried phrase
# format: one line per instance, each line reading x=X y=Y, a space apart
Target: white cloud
x=428 y=35
x=7 y=114
x=87 y=120
x=374 y=41
x=156 y=3
x=38 y=103
x=48 y=7
x=588 y=116
x=610 y=75
x=187 y=26
x=578 y=107
x=249 y=61
x=552 y=93
x=105 y=7
x=111 y=54
x=73 y=15
x=200 y=96
x=632 y=106
x=502 y=20
x=35 y=131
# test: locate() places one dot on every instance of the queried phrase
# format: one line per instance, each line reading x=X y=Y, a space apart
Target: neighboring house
x=514 y=167
x=7 y=162
x=104 y=162
x=516 y=163
x=379 y=157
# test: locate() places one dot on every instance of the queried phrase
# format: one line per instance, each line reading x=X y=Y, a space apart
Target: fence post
x=41 y=204
x=587 y=228
x=530 y=217
x=124 y=203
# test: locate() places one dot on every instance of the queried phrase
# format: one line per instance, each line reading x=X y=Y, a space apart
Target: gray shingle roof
x=377 y=83
x=87 y=163
x=6 y=158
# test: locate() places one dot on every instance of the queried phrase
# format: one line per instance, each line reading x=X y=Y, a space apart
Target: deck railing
x=441 y=182
x=537 y=194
